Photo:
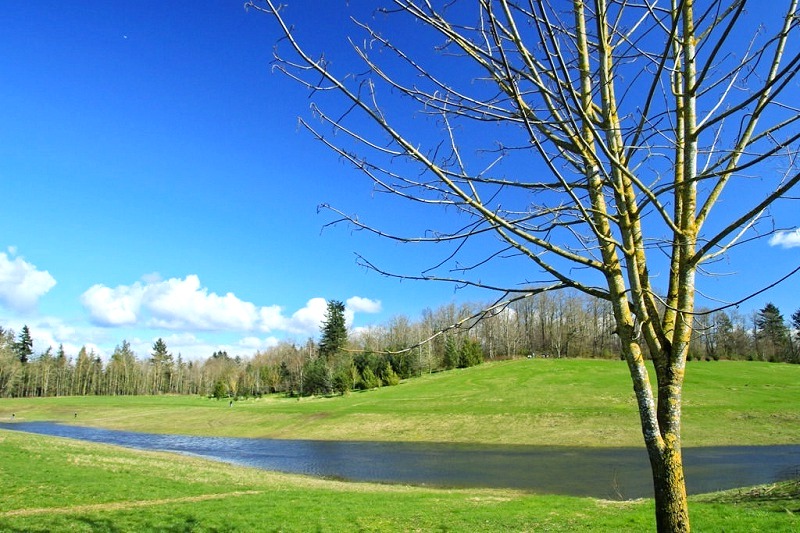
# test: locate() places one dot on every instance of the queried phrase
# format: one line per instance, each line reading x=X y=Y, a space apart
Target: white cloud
x=50 y=332
x=194 y=348
x=172 y=304
x=786 y=239
x=53 y=331
x=21 y=283
x=113 y=307
x=256 y=343
x=183 y=304
x=187 y=345
x=308 y=320
x=153 y=277
x=357 y=304
x=180 y=339
x=271 y=318
x=364 y=332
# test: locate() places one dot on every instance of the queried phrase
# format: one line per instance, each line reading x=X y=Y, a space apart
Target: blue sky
x=155 y=184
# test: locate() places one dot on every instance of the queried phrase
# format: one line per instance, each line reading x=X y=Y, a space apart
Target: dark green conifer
x=334 y=330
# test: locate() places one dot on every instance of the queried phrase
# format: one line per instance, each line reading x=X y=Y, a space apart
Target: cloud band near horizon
x=184 y=304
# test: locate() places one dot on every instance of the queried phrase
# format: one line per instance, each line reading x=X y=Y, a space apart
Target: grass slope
x=552 y=402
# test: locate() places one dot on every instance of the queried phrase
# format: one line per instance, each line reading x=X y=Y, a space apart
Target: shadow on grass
x=779 y=497
x=98 y=525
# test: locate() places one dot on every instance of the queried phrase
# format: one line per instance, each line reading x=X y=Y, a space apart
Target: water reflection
x=602 y=473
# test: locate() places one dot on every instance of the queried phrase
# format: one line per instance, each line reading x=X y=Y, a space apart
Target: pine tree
x=796 y=328
x=471 y=354
x=344 y=377
x=450 y=354
x=369 y=380
x=388 y=376
x=162 y=367
x=772 y=334
x=24 y=346
x=334 y=330
x=317 y=377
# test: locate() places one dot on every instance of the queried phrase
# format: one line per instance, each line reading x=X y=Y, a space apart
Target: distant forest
x=546 y=325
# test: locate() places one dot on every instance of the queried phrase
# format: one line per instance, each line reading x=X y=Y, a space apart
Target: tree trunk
x=672 y=510
x=661 y=431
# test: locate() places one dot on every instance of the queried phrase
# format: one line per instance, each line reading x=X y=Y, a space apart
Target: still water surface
x=598 y=472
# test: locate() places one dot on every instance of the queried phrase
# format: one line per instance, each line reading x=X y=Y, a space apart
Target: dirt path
x=117 y=506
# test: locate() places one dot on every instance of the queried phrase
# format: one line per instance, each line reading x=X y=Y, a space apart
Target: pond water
x=615 y=473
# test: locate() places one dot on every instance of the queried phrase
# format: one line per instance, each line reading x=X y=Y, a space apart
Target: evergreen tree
x=369 y=380
x=796 y=328
x=317 y=377
x=161 y=360
x=364 y=360
x=220 y=389
x=345 y=377
x=450 y=354
x=24 y=345
x=772 y=334
x=724 y=334
x=471 y=354
x=388 y=376
x=160 y=350
x=334 y=330
x=404 y=363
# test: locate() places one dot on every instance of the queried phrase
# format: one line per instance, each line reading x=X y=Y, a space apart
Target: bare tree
x=588 y=146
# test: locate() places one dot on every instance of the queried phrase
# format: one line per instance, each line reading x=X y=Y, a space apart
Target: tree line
x=546 y=325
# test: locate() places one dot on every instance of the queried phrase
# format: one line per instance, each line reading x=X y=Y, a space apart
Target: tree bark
x=661 y=425
x=672 y=509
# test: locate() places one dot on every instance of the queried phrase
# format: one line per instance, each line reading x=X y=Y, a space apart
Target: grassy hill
x=574 y=402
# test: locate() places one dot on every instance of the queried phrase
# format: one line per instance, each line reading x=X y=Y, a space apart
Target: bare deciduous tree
x=594 y=140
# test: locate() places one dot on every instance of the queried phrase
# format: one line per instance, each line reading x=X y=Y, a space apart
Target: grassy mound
x=547 y=402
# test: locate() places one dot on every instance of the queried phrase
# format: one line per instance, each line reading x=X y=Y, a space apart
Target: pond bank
x=611 y=473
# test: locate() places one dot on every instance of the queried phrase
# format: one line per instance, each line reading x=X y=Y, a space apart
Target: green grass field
x=551 y=402
x=51 y=484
